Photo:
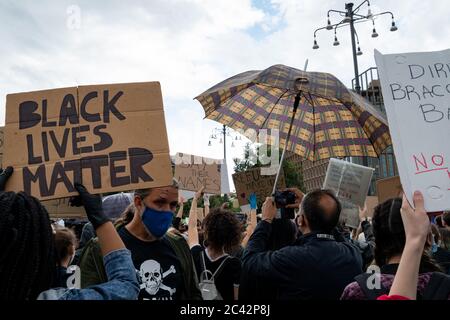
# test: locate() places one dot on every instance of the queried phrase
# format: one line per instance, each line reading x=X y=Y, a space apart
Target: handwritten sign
x=350 y=214
x=192 y=172
x=350 y=181
x=108 y=137
x=251 y=181
x=416 y=92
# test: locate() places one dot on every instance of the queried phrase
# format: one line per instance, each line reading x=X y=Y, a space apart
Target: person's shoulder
x=176 y=240
x=53 y=294
x=197 y=249
x=175 y=236
x=234 y=263
x=425 y=278
x=353 y=292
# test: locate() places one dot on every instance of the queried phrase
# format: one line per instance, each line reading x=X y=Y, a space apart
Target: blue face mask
x=157 y=222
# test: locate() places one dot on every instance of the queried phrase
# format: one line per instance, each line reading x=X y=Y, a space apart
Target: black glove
x=4 y=176
x=92 y=204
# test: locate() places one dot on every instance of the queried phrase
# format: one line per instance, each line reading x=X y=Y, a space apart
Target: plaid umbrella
x=330 y=121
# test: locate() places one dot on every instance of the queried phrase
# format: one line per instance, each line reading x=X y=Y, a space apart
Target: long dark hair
x=27 y=256
x=390 y=236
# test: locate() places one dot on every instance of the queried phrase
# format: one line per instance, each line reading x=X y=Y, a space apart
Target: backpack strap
x=371 y=294
x=205 y=272
x=438 y=288
x=219 y=269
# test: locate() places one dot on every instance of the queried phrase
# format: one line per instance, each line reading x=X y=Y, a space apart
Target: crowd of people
x=136 y=246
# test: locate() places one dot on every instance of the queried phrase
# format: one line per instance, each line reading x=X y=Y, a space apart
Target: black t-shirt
x=157 y=266
x=60 y=280
x=442 y=257
x=227 y=279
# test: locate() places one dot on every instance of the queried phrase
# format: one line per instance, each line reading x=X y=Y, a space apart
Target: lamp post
x=351 y=17
x=224 y=131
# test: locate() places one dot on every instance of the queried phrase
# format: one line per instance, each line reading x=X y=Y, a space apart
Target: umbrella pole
x=296 y=103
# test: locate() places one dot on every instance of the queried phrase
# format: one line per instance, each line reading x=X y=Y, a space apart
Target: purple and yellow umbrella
x=318 y=116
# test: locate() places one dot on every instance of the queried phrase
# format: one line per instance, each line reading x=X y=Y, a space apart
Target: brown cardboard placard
x=251 y=181
x=389 y=188
x=371 y=203
x=109 y=137
x=192 y=172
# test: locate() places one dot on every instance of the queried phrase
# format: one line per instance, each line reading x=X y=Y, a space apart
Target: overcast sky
x=190 y=45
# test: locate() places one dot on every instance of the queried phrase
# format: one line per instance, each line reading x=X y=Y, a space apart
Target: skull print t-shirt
x=157 y=266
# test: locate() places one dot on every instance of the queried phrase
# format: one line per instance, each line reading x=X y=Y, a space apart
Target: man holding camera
x=316 y=266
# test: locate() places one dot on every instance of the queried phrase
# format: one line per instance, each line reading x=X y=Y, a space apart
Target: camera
x=282 y=199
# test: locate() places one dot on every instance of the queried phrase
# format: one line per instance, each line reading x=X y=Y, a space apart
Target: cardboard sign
x=350 y=181
x=389 y=188
x=108 y=137
x=60 y=208
x=416 y=95
x=192 y=172
x=251 y=181
x=371 y=203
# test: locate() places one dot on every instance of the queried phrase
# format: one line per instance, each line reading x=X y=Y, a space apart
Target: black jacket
x=315 y=267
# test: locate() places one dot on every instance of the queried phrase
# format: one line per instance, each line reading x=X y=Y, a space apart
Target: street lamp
x=351 y=16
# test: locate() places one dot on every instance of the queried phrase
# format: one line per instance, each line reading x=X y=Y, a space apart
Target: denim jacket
x=122 y=284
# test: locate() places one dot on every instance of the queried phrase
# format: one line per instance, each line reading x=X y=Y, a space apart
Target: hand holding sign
x=199 y=193
x=415 y=221
x=92 y=204
x=98 y=135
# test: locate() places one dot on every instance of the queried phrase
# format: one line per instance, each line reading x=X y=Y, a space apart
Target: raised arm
x=108 y=238
x=417 y=227
x=251 y=221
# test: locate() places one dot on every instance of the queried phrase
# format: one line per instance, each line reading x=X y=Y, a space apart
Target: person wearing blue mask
x=162 y=259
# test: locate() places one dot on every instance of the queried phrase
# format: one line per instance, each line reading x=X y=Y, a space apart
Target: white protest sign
x=350 y=214
x=416 y=92
x=350 y=181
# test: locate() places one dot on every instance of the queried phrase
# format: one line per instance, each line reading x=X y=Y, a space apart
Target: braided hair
x=390 y=238
x=27 y=261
